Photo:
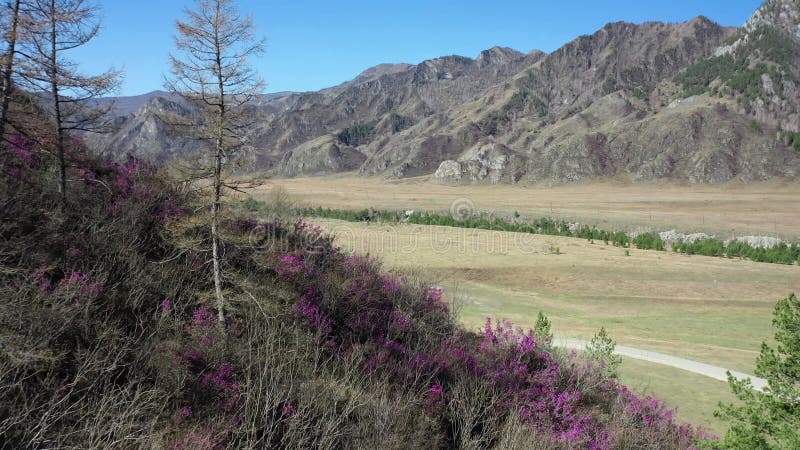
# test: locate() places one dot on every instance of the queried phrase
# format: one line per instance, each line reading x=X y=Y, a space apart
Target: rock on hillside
x=783 y=15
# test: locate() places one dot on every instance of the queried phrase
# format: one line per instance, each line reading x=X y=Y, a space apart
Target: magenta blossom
x=185 y=413
x=290 y=265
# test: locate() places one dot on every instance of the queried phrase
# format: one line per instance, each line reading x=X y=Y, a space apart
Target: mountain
x=759 y=67
x=693 y=102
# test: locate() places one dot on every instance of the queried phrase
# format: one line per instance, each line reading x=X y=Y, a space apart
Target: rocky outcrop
x=321 y=156
x=547 y=112
x=762 y=69
x=670 y=237
x=783 y=15
x=487 y=162
x=148 y=133
x=760 y=241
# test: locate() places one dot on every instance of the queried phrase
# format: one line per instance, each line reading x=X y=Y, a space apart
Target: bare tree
x=8 y=63
x=55 y=27
x=210 y=68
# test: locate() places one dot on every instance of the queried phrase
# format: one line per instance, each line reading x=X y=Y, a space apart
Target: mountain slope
x=546 y=117
x=693 y=102
x=759 y=67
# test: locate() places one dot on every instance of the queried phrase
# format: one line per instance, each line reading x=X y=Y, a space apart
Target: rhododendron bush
x=348 y=303
x=109 y=337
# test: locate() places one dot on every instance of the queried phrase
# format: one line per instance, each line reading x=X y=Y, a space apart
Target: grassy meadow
x=712 y=310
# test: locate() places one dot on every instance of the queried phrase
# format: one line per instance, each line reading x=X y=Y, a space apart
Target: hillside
x=691 y=102
x=109 y=339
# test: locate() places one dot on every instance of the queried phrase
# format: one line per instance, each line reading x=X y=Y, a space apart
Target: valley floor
x=711 y=310
x=769 y=208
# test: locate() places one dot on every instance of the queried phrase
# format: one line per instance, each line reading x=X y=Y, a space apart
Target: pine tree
x=541 y=329
x=602 y=349
x=770 y=419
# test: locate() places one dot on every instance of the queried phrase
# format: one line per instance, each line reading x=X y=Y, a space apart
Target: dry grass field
x=733 y=208
x=712 y=310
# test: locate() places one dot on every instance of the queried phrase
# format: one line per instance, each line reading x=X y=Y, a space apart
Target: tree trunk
x=62 y=165
x=219 y=153
x=12 y=42
x=215 y=231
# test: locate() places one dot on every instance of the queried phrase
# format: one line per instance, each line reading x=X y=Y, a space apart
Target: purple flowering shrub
x=110 y=298
x=82 y=307
x=350 y=305
x=22 y=158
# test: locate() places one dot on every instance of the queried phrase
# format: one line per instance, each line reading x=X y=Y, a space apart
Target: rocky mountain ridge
x=693 y=102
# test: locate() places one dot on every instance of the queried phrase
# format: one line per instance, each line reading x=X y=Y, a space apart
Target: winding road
x=718 y=373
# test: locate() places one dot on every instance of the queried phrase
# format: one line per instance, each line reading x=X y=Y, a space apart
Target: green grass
x=711 y=310
x=679 y=330
x=696 y=397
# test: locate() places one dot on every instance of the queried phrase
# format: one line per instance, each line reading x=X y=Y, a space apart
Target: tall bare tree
x=10 y=29
x=55 y=27
x=211 y=68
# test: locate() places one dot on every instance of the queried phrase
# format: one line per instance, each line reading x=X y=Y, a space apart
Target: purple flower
x=76 y=277
x=401 y=322
x=290 y=265
x=435 y=294
x=194 y=359
x=203 y=318
x=42 y=280
x=289 y=410
x=307 y=309
x=78 y=282
x=302 y=225
x=435 y=402
x=391 y=284
x=185 y=412
x=21 y=148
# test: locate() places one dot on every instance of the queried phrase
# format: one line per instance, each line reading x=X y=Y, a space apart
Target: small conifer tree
x=602 y=349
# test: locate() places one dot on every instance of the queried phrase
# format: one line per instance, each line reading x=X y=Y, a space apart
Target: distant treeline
x=544 y=225
x=780 y=254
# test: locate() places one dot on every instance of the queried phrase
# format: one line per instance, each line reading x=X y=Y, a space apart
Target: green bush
x=779 y=254
x=792 y=139
x=649 y=241
x=542 y=329
x=705 y=247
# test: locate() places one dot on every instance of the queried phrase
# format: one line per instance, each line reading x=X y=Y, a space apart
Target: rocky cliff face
x=759 y=67
x=783 y=15
x=145 y=133
x=695 y=102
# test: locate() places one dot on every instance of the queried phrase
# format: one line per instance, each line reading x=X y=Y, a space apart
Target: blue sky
x=314 y=44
